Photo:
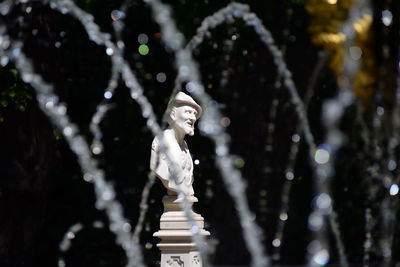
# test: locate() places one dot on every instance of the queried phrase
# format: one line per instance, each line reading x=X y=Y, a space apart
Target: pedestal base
x=177 y=247
x=181 y=259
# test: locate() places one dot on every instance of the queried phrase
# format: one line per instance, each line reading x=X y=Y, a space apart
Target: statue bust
x=182 y=112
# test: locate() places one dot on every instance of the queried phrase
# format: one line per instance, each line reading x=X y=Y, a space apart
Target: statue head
x=183 y=112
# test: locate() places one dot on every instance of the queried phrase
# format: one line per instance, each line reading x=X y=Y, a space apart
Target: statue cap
x=184 y=99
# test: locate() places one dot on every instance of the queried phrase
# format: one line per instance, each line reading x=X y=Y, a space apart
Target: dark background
x=42 y=192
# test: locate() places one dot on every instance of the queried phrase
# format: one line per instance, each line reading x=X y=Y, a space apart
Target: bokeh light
x=143 y=49
x=276 y=242
x=225 y=121
x=117 y=15
x=143 y=38
x=283 y=216
x=392 y=165
x=322 y=154
x=107 y=95
x=315 y=221
x=295 y=138
x=239 y=163
x=321 y=257
x=289 y=175
x=161 y=77
x=355 y=52
x=387 y=17
x=394 y=189
x=148 y=245
x=109 y=51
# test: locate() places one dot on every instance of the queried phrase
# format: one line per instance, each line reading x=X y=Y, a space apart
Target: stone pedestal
x=177 y=247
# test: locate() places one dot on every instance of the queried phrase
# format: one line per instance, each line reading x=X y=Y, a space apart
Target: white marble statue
x=183 y=112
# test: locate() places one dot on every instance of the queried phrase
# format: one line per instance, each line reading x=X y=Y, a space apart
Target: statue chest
x=186 y=161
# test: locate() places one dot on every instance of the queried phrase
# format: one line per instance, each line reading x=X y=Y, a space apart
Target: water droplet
x=225 y=122
x=161 y=77
x=146 y=112
x=143 y=49
x=57 y=44
x=239 y=163
x=120 y=44
x=97 y=148
x=386 y=251
x=276 y=242
x=283 y=216
x=49 y=105
x=4 y=61
x=355 y=52
x=195 y=229
x=196 y=162
x=108 y=95
x=323 y=201
x=380 y=111
x=150 y=123
x=70 y=235
x=315 y=221
x=387 y=181
x=109 y=51
x=394 y=189
x=62 y=109
x=68 y=131
x=61 y=263
x=392 y=165
x=5 y=8
x=321 y=257
x=322 y=154
x=190 y=87
x=28 y=9
x=148 y=245
x=263 y=193
x=332 y=111
x=107 y=195
x=117 y=15
x=134 y=94
x=88 y=177
x=143 y=38
x=27 y=77
x=289 y=176
x=184 y=71
x=98 y=224
x=295 y=138
x=16 y=52
x=126 y=227
x=367 y=244
x=387 y=17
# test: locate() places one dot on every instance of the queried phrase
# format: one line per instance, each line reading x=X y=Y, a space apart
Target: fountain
x=326 y=240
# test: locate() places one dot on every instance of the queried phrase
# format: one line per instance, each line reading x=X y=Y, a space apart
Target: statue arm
x=158 y=163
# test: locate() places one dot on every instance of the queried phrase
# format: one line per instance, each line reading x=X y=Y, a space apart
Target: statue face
x=184 y=118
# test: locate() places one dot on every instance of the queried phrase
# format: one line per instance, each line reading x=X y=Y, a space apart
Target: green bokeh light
x=143 y=49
